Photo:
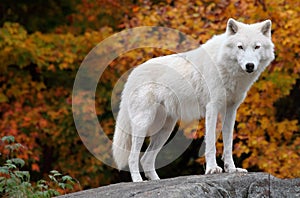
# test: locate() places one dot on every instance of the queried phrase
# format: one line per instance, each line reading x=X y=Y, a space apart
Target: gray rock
x=217 y=185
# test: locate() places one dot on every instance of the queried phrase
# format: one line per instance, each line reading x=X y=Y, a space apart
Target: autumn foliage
x=38 y=72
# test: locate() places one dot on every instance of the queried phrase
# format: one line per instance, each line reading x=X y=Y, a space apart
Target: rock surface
x=217 y=185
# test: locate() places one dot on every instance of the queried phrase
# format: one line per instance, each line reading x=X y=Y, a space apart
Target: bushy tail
x=122 y=140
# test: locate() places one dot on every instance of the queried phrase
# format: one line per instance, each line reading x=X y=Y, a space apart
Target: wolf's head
x=249 y=46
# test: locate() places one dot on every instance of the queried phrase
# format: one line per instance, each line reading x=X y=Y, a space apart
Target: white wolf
x=210 y=80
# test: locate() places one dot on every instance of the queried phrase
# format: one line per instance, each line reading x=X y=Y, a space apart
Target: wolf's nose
x=249 y=67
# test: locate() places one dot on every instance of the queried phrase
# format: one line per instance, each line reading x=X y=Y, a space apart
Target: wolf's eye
x=257 y=47
x=240 y=47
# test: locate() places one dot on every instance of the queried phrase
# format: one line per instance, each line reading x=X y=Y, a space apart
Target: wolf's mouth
x=249 y=70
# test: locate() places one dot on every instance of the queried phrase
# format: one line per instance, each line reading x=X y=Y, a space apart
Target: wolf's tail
x=122 y=139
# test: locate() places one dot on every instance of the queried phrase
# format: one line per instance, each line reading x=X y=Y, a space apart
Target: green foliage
x=16 y=183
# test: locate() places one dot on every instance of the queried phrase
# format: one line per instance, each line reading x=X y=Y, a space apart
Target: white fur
x=204 y=82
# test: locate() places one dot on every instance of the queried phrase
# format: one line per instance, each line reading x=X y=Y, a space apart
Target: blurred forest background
x=43 y=42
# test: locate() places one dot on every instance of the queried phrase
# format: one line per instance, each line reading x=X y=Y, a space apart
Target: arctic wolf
x=210 y=80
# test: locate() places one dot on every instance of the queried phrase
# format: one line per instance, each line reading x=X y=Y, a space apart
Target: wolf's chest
x=236 y=89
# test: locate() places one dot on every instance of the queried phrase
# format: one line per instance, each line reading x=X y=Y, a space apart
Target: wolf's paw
x=214 y=170
x=237 y=170
x=232 y=169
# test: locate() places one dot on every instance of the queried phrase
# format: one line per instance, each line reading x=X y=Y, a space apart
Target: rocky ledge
x=217 y=185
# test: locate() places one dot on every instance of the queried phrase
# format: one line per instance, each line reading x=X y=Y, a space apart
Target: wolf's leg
x=227 y=134
x=133 y=160
x=156 y=143
x=210 y=139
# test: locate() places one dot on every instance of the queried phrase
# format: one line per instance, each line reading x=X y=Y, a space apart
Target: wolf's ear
x=232 y=27
x=266 y=28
